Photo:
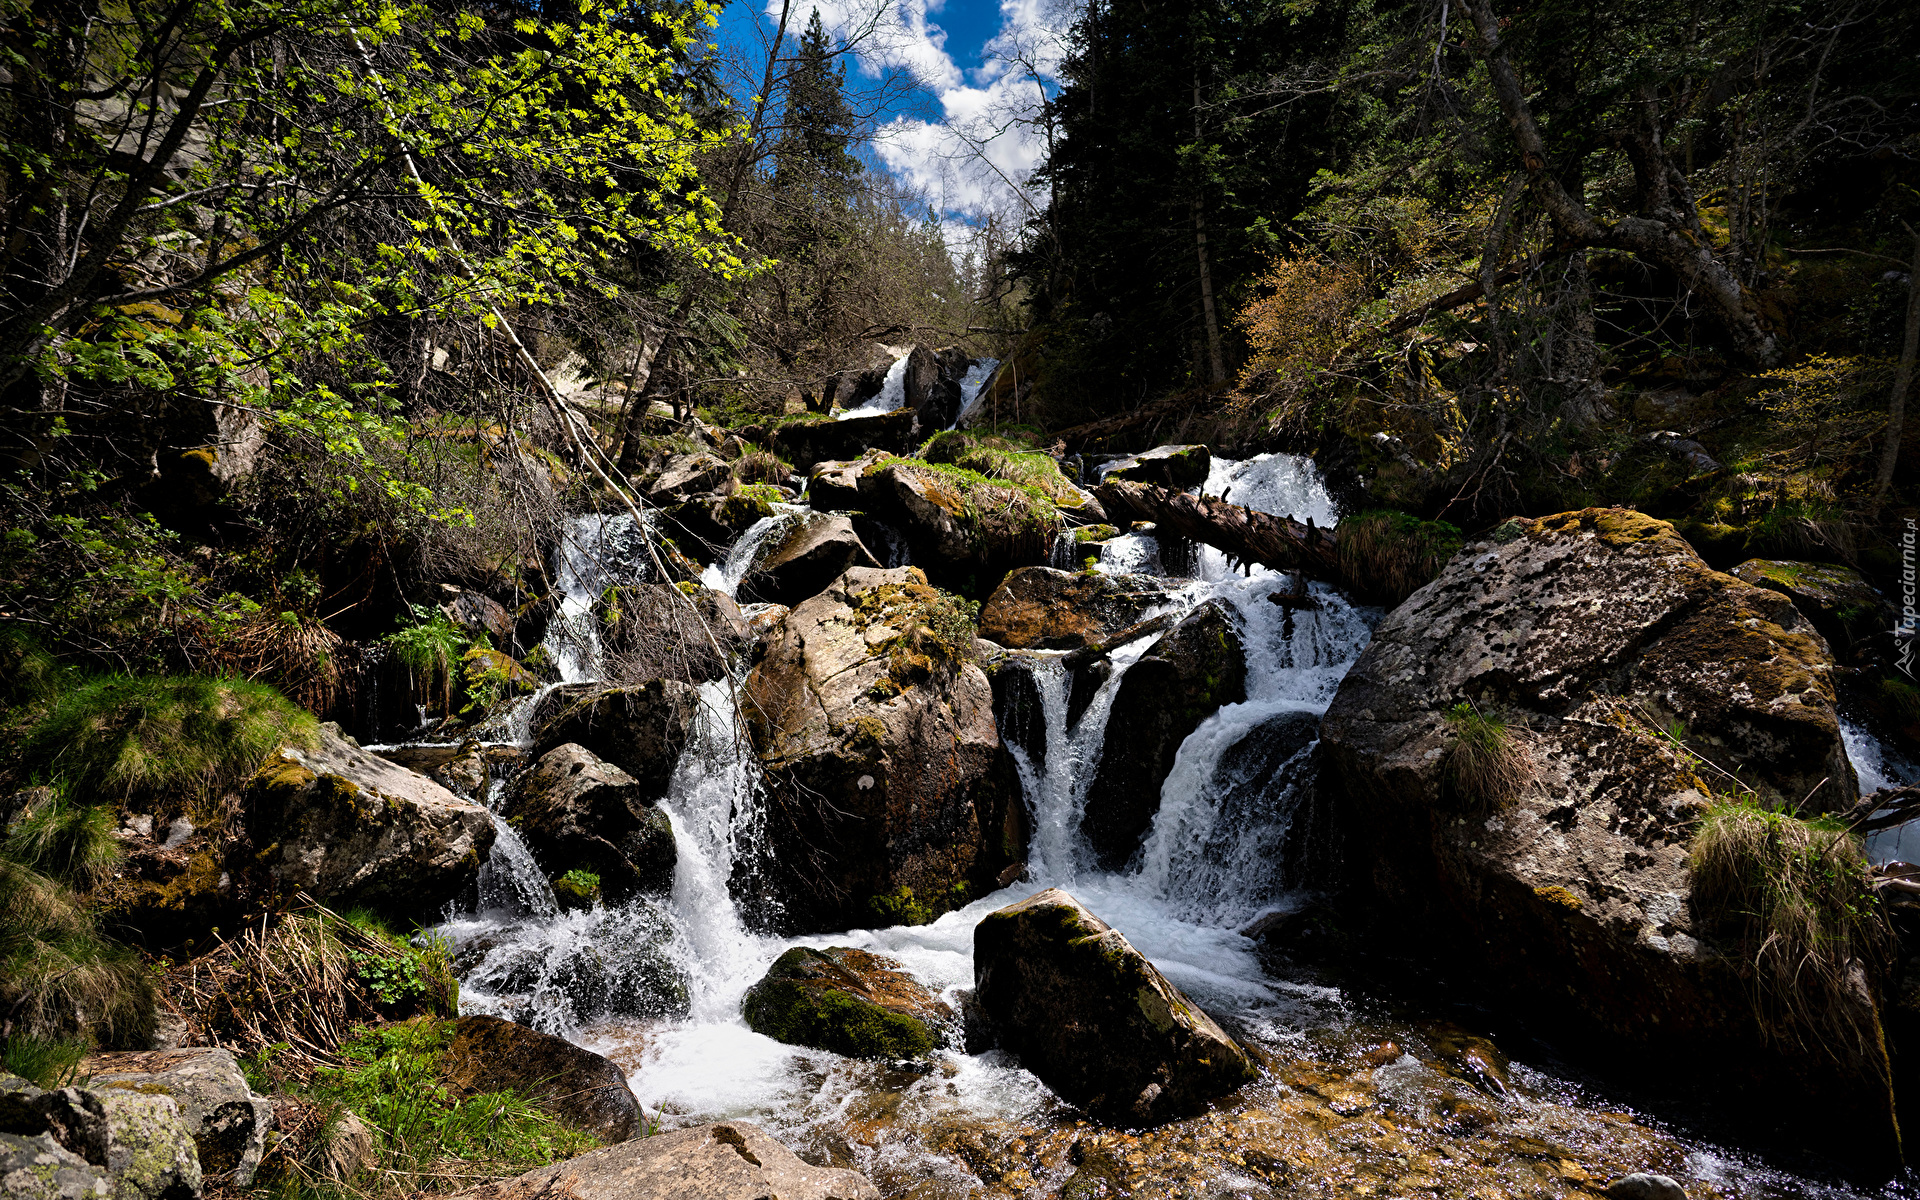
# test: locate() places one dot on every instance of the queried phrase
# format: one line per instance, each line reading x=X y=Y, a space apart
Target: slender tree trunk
x=1902 y=380
x=1216 y=363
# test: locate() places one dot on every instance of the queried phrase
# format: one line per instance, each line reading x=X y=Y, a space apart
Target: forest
x=554 y=603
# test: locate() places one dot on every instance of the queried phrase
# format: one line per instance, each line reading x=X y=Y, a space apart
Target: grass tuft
x=59 y=978
x=1487 y=763
x=122 y=737
x=1389 y=556
x=1798 y=897
x=45 y=1062
x=762 y=466
x=74 y=844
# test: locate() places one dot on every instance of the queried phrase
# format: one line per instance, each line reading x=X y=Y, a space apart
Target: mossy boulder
x=580 y=1087
x=1634 y=683
x=1177 y=467
x=876 y=728
x=805 y=443
x=1040 y=608
x=1081 y=1008
x=579 y=813
x=228 y=1123
x=684 y=476
x=963 y=529
x=350 y=828
x=1846 y=609
x=1183 y=678
x=848 y=1001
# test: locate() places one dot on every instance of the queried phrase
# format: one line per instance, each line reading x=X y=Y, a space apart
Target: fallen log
x=1245 y=534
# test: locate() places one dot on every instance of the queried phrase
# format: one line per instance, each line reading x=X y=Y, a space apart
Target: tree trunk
x=1902 y=380
x=650 y=342
x=1244 y=534
x=1217 y=362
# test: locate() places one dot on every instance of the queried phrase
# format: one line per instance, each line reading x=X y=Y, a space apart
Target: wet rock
x=835 y=485
x=1019 y=708
x=932 y=386
x=876 y=728
x=811 y=554
x=1181 y=680
x=577 y=812
x=1088 y=1014
x=151 y=1155
x=350 y=828
x=730 y=1161
x=687 y=475
x=575 y=1084
x=848 y=1001
x=1597 y=634
x=1842 y=605
x=640 y=729
x=964 y=533
x=1475 y=1060
x=228 y=1122
x=478 y=615
x=1642 y=1186
x=1177 y=467
x=1039 y=608
x=660 y=631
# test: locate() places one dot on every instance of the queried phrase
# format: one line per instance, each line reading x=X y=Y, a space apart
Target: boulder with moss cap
x=1099 y=1024
x=876 y=728
x=350 y=828
x=966 y=530
x=849 y=1001
x=1040 y=608
x=1635 y=683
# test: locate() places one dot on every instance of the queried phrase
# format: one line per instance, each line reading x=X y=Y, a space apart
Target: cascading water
x=657 y=985
x=725 y=575
x=892 y=394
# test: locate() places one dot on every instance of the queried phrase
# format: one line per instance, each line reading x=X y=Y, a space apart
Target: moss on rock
x=847 y=1001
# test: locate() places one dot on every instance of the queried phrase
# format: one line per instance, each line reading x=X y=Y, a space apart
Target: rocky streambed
x=853 y=775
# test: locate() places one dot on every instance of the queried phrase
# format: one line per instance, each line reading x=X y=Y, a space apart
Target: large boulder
x=350 y=828
x=685 y=476
x=1182 y=679
x=1097 y=1022
x=229 y=1124
x=965 y=533
x=1846 y=609
x=576 y=812
x=1039 y=608
x=1635 y=682
x=835 y=484
x=583 y=1089
x=641 y=729
x=1176 y=467
x=812 y=553
x=804 y=443
x=848 y=1001
x=734 y=1160
x=932 y=386
x=861 y=379
x=876 y=729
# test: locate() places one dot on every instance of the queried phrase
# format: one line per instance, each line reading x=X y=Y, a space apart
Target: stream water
x=1361 y=1095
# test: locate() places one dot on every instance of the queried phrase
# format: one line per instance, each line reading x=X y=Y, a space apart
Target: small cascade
x=725 y=575
x=597 y=551
x=892 y=394
x=510 y=881
x=971 y=385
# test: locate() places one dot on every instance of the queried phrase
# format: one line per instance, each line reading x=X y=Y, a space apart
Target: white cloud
x=978 y=156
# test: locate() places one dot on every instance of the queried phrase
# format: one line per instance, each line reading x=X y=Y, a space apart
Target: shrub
x=129 y=736
x=1486 y=765
x=1797 y=895
x=428 y=648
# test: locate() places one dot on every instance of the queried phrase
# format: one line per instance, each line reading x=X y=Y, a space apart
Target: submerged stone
x=579 y=814
x=848 y=1001
x=1088 y=1014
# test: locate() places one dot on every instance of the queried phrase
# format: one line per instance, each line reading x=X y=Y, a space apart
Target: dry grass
x=1488 y=763
x=59 y=979
x=1797 y=895
x=1388 y=556
x=761 y=466
x=297 y=654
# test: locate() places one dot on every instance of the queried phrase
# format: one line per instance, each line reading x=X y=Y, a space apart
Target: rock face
x=228 y=1123
x=1177 y=467
x=150 y=1154
x=835 y=484
x=847 y=1001
x=932 y=386
x=577 y=812
x=729 y=1161
x=966 y=534
x=640 y=729
x=577 y=1085
x=817 y=550
x=1600 y=631
x=1039 y=608
x=876 y=728
x=350 y=828
x=1182 y=679
x=1088 y=1014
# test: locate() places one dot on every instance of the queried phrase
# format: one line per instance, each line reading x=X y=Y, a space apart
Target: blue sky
x=959 y=131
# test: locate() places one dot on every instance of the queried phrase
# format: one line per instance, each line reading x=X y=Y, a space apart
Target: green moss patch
x=846 y=1001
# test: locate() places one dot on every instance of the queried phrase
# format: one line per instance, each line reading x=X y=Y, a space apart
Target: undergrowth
x=1796 y=894
x=428 y=648
x=1389 y=556
x=1000 y=459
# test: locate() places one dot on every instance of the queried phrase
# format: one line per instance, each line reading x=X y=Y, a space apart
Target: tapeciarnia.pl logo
x=1905 y=629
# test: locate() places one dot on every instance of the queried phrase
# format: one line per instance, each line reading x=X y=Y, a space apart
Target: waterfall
x=725 y=575
x=892 y=394
x=597 y=551
x=971 y=385
x=511 y=883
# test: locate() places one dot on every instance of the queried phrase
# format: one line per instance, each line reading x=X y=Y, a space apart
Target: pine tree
x=813 y=173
